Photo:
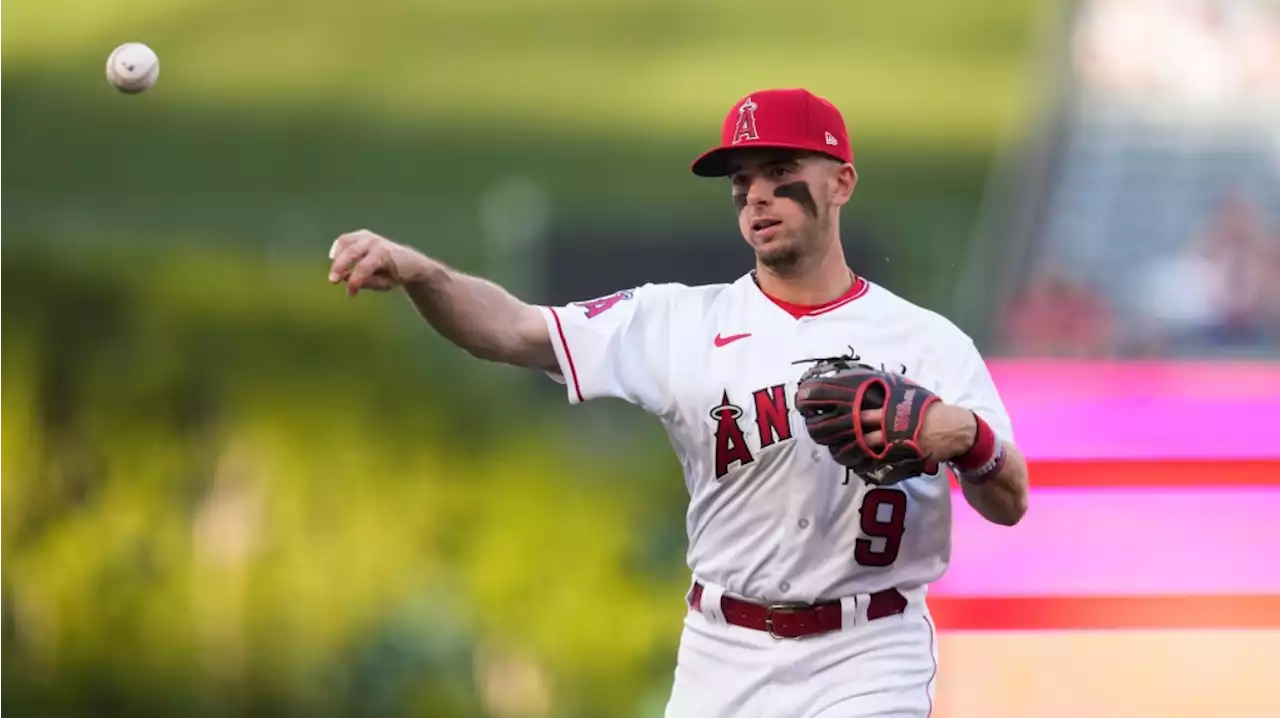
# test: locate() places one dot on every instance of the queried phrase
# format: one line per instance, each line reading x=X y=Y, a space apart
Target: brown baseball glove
x=870 y=419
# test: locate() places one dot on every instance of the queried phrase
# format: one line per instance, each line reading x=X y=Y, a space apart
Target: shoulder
x=951 y=357
x=937 y=335
x=681 y=297
x=645 y=302
x=946 y=357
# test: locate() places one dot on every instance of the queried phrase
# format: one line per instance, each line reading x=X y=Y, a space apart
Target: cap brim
x=715 y=162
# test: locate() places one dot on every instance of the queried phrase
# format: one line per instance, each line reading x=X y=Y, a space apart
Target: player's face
x=784 y=201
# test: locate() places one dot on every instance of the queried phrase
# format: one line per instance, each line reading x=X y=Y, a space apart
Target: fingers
x=365 y=273
x=379 y=282
x=871 y=421
x=346 y=259
x=361 y=259
x=347 y=251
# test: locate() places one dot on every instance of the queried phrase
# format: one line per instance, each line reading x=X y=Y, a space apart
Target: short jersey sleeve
x=968 y=384
x=619 y=346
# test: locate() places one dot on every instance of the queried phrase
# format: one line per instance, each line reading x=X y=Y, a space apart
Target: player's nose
x=760 y=194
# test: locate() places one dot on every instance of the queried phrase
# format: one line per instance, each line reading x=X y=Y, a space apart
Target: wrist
x=949 y=431
x=984 y=457
x=417 y=268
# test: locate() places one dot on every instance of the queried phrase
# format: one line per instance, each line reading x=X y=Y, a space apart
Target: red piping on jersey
x=568 y=355
x=928 y=687
x=856 y=290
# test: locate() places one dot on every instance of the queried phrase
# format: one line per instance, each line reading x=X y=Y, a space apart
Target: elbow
x=486 y=352
x=498 y=354
x=1016 y=492
x=524 y=345
x=1013 y=513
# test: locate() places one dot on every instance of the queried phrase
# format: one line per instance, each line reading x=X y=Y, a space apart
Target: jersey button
x=817 y=455
x=803 y=523
x=784 y=586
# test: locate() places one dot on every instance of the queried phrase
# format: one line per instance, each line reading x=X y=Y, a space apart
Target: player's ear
x=843 y=180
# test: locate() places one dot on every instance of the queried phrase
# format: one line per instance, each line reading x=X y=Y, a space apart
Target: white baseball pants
x=883 y=668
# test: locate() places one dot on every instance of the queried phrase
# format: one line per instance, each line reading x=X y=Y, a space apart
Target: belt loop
x=849 y=612
x=861 y=602
x=711 y=609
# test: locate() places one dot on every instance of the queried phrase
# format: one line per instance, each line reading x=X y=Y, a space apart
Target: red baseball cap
x=792 y=119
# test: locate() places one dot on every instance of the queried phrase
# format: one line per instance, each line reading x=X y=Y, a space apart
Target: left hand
x=947 y=431
x=879 y=424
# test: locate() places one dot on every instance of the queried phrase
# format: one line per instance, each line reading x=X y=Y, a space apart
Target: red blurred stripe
x=1066 y=613
x=1135 y=473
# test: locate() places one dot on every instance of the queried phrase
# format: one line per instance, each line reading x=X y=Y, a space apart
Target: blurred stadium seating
x=1131 y=282
x=1158 y=223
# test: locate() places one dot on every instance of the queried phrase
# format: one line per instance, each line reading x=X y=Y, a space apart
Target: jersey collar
x=799 y=311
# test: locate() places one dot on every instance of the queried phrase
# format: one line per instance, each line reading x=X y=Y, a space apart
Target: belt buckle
x=793 y=607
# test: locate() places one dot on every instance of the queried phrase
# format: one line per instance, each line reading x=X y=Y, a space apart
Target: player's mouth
x=765 y=228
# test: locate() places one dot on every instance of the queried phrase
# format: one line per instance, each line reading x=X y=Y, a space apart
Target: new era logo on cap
x=786 y=119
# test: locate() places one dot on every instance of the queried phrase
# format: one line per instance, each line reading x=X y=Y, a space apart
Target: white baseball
x=133 y=68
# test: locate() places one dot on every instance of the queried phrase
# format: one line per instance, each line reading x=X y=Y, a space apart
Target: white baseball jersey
x=771 y=516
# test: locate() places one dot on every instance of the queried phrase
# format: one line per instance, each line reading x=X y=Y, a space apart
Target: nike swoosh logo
x=721 y=341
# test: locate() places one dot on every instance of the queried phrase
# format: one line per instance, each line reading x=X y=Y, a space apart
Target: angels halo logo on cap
x=746 y=127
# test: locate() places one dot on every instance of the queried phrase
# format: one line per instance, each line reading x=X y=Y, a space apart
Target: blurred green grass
x=222 y=503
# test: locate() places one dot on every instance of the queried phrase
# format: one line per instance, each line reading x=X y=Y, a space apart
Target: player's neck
x=823 y=279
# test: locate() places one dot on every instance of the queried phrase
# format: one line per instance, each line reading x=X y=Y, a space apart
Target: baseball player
x=812 y=411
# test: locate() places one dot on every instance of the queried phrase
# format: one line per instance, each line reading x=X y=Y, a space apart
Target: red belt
x=798 y=620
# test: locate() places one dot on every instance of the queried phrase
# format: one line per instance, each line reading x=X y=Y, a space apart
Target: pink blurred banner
x=1128 y=542
x=1065 y=409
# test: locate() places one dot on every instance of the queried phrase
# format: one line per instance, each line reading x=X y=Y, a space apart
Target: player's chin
x=769 y=240
x=778 y=255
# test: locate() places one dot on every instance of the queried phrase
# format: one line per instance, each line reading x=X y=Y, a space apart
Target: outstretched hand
x=365 y=260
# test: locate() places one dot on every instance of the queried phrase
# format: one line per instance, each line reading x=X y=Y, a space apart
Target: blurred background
x=230 y=490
